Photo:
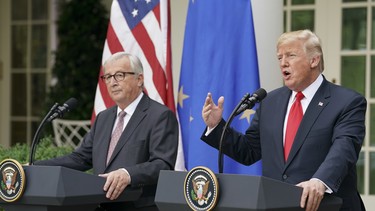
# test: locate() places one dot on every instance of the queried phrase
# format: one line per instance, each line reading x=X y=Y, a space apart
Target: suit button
x=285 y=177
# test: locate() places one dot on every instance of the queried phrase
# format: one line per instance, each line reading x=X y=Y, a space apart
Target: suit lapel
x=106 y=129
x=316 y=106
x=136 y=119
x=282 y=100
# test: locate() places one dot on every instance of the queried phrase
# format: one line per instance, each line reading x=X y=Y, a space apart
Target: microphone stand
x=233 y=114
x=36 y=136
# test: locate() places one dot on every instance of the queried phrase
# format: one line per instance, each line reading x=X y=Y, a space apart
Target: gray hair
x=135 y=63
x=312 y=44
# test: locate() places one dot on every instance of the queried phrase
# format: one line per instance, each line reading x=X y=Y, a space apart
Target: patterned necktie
x=294 y=119
x=116 y=134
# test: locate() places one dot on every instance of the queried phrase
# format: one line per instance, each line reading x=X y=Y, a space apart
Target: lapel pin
x=320 y=104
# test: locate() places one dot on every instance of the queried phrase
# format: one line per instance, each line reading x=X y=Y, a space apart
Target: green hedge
x=45 y=150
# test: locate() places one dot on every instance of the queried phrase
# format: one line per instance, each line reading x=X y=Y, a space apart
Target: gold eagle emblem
x=200 y=187
x=9 y=179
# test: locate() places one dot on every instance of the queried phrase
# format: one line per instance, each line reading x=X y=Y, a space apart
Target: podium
x=55 y=188
x=238 y=192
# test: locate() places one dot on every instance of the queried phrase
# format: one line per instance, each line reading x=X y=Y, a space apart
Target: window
x=30 y=52
x=299 y=14
x=358 y=73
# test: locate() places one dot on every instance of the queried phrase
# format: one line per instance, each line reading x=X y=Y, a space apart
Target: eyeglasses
x=118 y=76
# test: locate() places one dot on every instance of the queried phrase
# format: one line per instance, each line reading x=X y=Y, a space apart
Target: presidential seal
x=201 y=188
x=12 y=180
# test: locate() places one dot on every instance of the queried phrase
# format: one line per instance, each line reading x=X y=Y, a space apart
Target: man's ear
x=140 y=80
x=314 y=62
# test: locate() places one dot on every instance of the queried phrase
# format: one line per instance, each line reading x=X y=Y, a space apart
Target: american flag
x=142 y=28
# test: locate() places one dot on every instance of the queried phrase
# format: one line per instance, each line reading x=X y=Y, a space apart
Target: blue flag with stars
x=219 y=56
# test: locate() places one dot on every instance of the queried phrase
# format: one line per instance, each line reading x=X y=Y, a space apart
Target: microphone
x=249 y=103
x=55 y=111
x=70 y=104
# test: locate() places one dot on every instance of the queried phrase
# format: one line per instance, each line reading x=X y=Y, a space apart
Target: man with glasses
x=130 y=142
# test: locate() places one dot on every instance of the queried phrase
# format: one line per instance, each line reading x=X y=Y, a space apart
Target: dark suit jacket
x=326 y=145
x=147 y=145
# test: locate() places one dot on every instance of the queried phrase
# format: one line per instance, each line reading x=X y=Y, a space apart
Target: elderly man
x=130 y=142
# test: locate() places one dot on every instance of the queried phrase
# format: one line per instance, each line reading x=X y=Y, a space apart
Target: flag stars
x=181 y=97
x=246 y=115
x=147 y=1
x=134 y=13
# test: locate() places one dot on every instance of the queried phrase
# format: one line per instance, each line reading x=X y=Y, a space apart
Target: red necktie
x=116 y=135
x=294 y=119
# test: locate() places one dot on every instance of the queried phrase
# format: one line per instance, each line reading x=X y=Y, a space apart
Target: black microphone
x=55 y=111
x=70 y=104
x=249 y=103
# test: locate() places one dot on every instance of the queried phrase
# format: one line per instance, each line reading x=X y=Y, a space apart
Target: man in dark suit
x=148 y=137
x=323 y=153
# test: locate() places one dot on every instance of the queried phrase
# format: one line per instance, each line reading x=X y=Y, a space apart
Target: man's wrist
x=328 y=190
x=126 y=171
x=209 y=130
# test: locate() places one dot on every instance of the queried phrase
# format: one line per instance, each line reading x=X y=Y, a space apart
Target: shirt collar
x=310 y=91
x=132 y=106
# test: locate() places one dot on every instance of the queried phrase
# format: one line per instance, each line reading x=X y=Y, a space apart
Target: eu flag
x=219 y=56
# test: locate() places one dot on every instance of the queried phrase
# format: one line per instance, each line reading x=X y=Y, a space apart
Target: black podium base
x=20 y=207
x=55 y=188
x=238 y=192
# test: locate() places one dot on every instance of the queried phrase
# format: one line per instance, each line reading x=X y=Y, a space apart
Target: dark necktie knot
x=121 y=114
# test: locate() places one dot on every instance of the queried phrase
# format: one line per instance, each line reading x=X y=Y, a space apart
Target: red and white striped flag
x=142 y=28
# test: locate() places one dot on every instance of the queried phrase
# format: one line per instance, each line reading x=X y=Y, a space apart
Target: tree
x=82 y=27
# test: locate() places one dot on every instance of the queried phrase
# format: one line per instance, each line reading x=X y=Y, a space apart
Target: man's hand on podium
x=312 y=195
x=116 y=183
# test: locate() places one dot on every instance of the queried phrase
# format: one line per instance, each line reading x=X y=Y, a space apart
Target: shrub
x=45 y=150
